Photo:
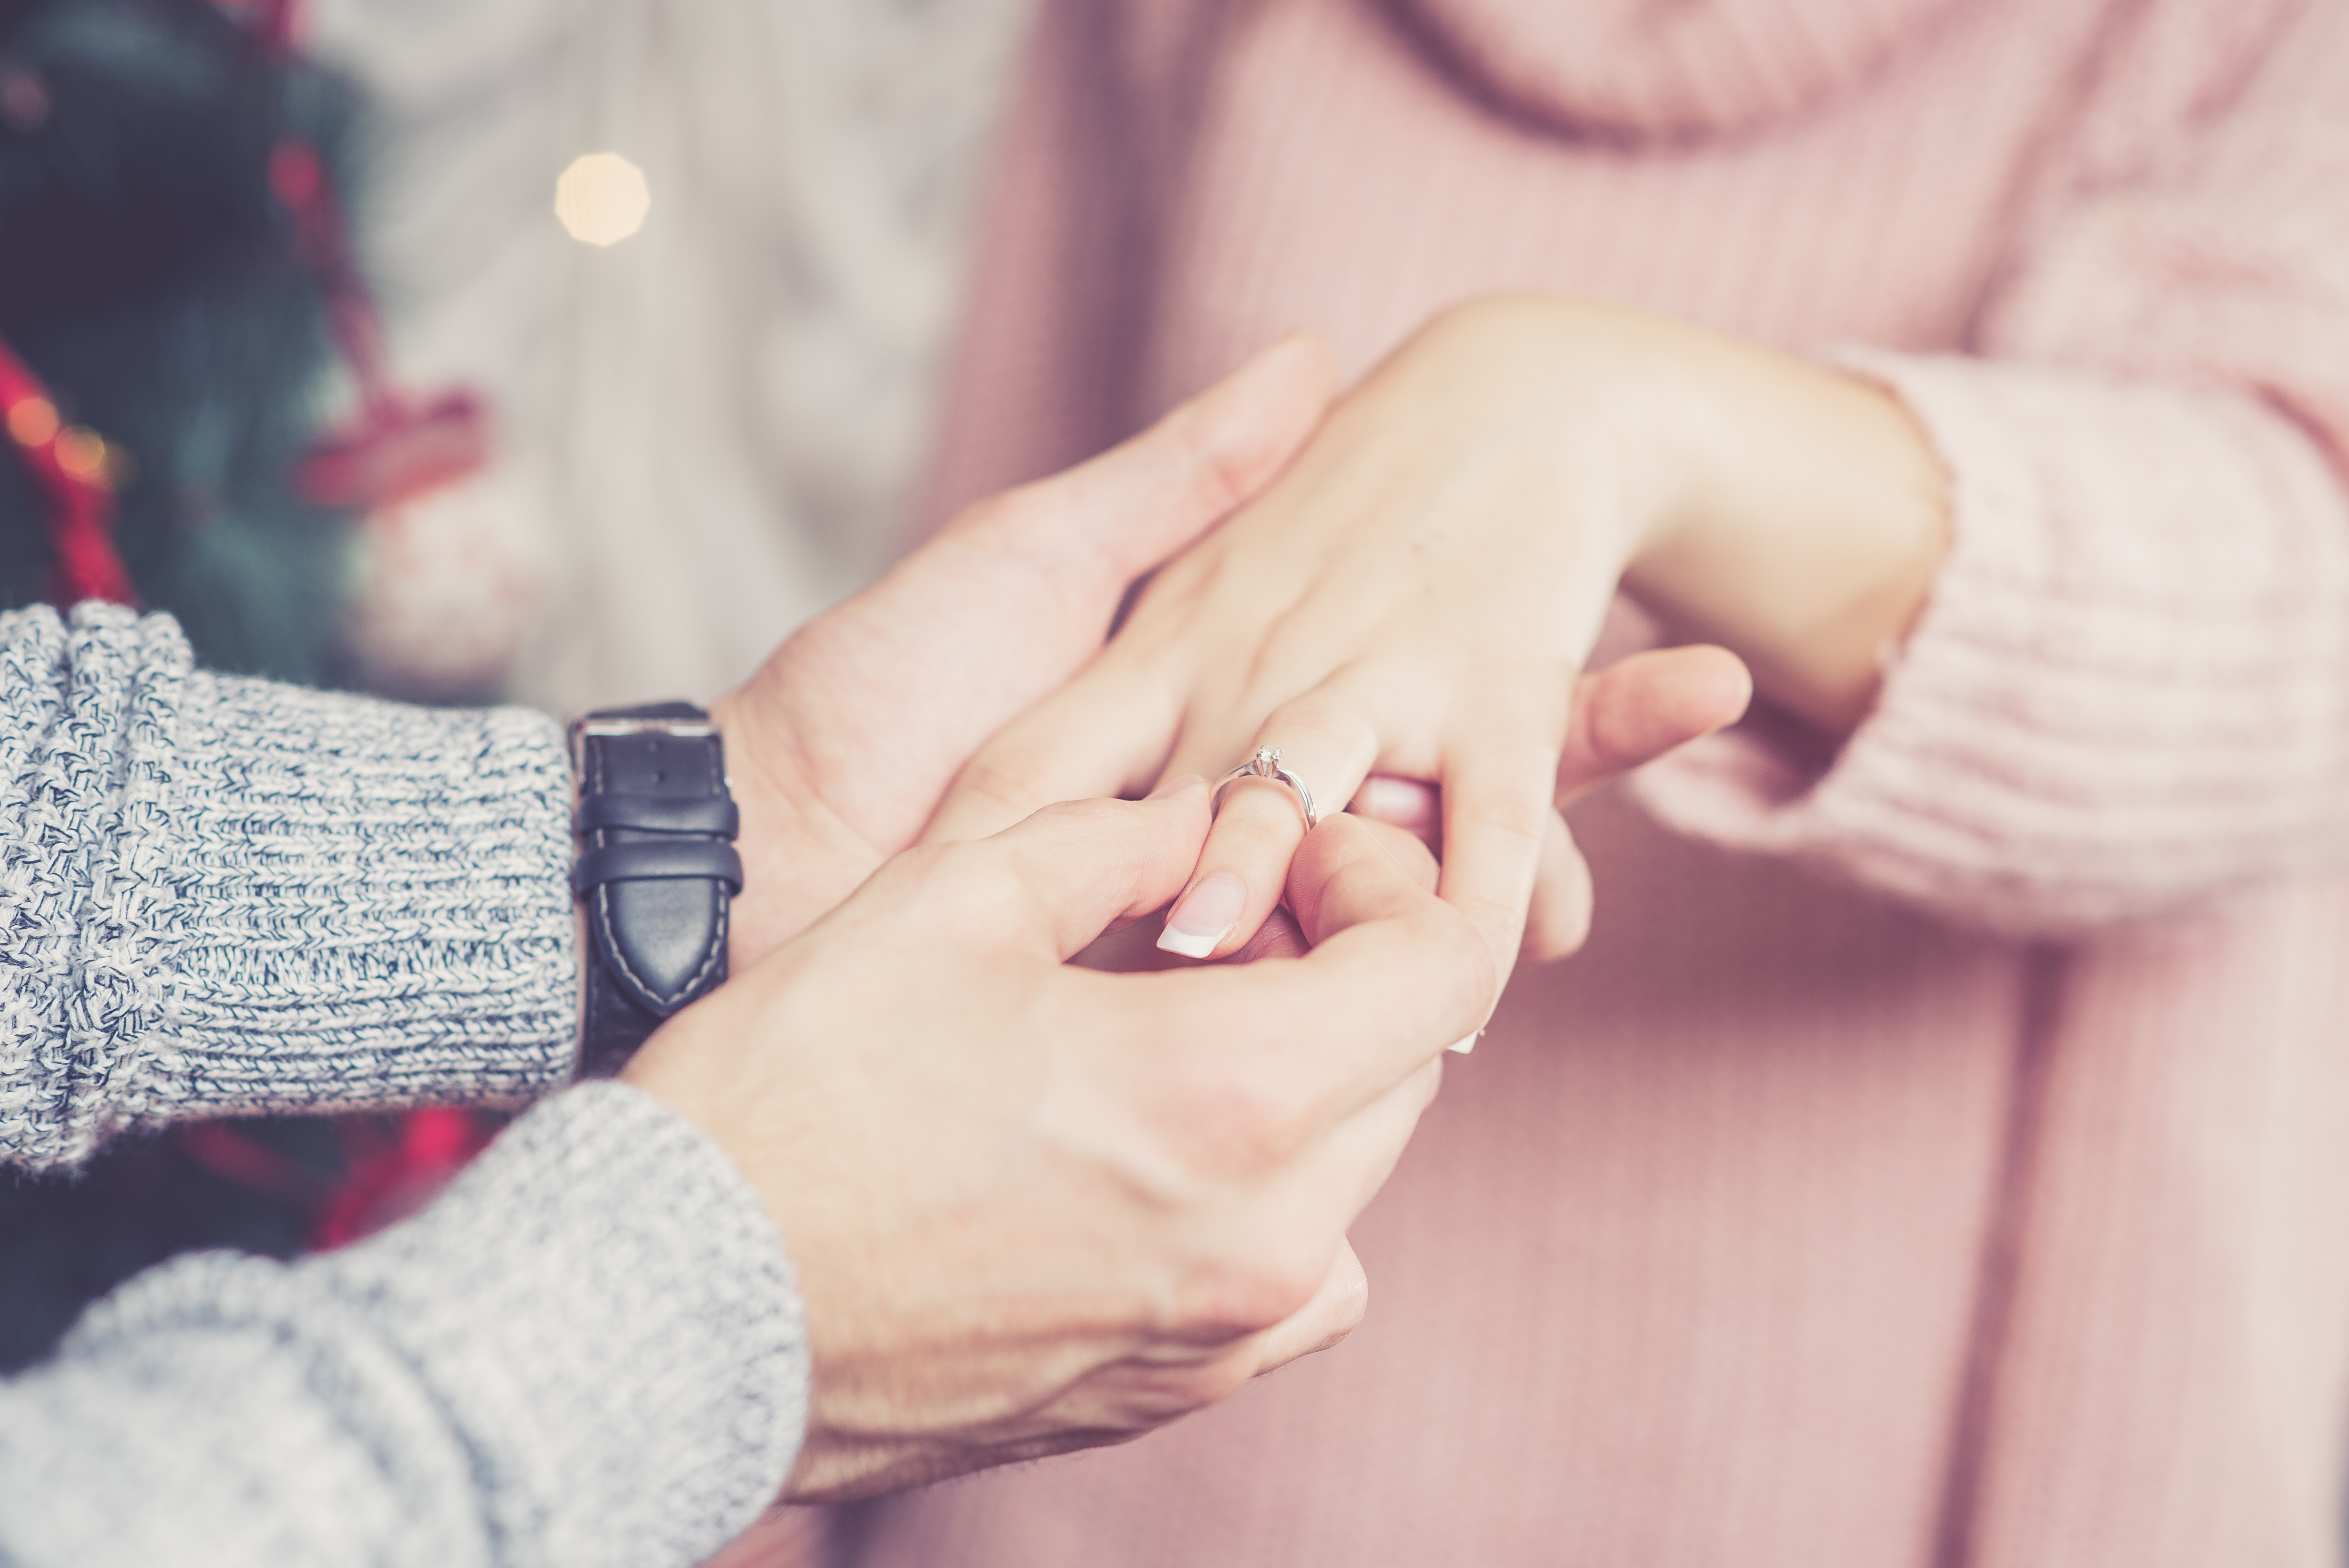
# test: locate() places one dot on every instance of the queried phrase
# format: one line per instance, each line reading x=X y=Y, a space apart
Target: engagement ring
x=1265 y=764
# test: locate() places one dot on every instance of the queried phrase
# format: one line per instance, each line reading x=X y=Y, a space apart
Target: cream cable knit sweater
x=219 y=896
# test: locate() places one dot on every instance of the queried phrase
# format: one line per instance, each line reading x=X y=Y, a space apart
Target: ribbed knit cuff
x=222 y=895
x=588 y=1353
x=374 y=906
x=2126 y=690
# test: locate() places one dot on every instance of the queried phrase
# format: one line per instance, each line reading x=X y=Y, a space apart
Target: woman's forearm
x=1812 y=527
x=1815 y=518
x=1801 y=514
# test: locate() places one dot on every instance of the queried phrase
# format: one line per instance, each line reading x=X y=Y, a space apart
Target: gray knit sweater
x=222 y=895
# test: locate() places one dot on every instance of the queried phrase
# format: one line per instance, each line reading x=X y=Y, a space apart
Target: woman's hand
x=839 y=748
x=1415 y=597
x=1032 y=1207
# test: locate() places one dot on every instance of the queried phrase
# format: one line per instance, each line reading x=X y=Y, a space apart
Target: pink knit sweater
x=1942 y=1153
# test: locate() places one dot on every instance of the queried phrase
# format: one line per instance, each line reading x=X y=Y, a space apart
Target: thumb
x=1350 y=872
x=1108 y=520
x=1082 y=866
x=1395 y=973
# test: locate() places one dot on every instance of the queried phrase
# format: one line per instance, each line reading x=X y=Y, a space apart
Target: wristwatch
x=656 y=870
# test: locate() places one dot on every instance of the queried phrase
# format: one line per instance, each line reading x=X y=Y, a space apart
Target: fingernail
x=1175 y=786
x=1464 y=1047
x=1204 y=916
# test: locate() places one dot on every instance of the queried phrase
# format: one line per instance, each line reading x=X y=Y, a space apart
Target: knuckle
x=929 y=868
x=1231 y=1297
x=1212 y=1382
x=1092 y=819
x=1520 y=822
x=1235 y=1126
x=978 y=883
x=1219 y=472
x=1003 y=777
x=1261 y=1122
x=1613 y=731
x=1171 y=1390
x=1093 y=813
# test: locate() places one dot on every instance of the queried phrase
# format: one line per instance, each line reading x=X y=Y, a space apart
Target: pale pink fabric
x=1941 y=1156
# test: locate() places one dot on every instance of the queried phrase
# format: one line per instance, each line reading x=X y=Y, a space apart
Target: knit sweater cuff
x=2127 y=689
x=374 y=906
x=588 y=1352
x=224 y=896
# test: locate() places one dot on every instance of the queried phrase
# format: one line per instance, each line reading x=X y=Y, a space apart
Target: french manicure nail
x=1464 y=1047
x=1204 y=916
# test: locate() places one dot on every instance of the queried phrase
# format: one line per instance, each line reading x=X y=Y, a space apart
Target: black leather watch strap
x=654 y=870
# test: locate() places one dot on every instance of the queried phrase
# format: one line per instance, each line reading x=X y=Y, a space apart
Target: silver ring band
x=1265 y=764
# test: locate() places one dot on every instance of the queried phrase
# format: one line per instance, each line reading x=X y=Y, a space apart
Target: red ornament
x=71 y=465
x=396 y=448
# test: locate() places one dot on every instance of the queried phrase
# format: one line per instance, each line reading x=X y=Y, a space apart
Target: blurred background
x=561 y=351
x=705 y=426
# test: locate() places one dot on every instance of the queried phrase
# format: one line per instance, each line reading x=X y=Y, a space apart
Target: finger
x=1280 y=937
x=1498 y=785
x=1327 y=1193
x=1633 y=712
x=1624 y=717
x=1057 y=880
x=1126 y=948
x=1335 y=1311
x=1394 y=976
x=1325 y=740
x=1557 y=923
x=1345 y=1173
x=1413 y=805
x=1103 y=734
x=1013 y=597
x=1405 y=849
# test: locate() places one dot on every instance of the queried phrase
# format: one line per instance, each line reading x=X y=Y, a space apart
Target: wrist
x=657 y=871
x=1814 y=518
x=799 y=856
x=1619 y=409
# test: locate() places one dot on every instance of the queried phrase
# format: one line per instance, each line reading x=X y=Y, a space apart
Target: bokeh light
x=81 y=452
x=32 y=420
x=602 y=199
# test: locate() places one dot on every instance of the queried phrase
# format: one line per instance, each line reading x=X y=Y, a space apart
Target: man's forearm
x=588 y=1352
x=223 y=896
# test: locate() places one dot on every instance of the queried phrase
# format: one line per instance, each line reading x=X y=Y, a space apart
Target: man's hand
x=841 y=744
x=1033 y=1207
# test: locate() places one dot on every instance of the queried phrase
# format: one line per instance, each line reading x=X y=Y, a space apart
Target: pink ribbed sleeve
x=2130 y=687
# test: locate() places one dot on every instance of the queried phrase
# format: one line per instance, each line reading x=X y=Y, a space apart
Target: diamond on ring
x=1265 y=764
